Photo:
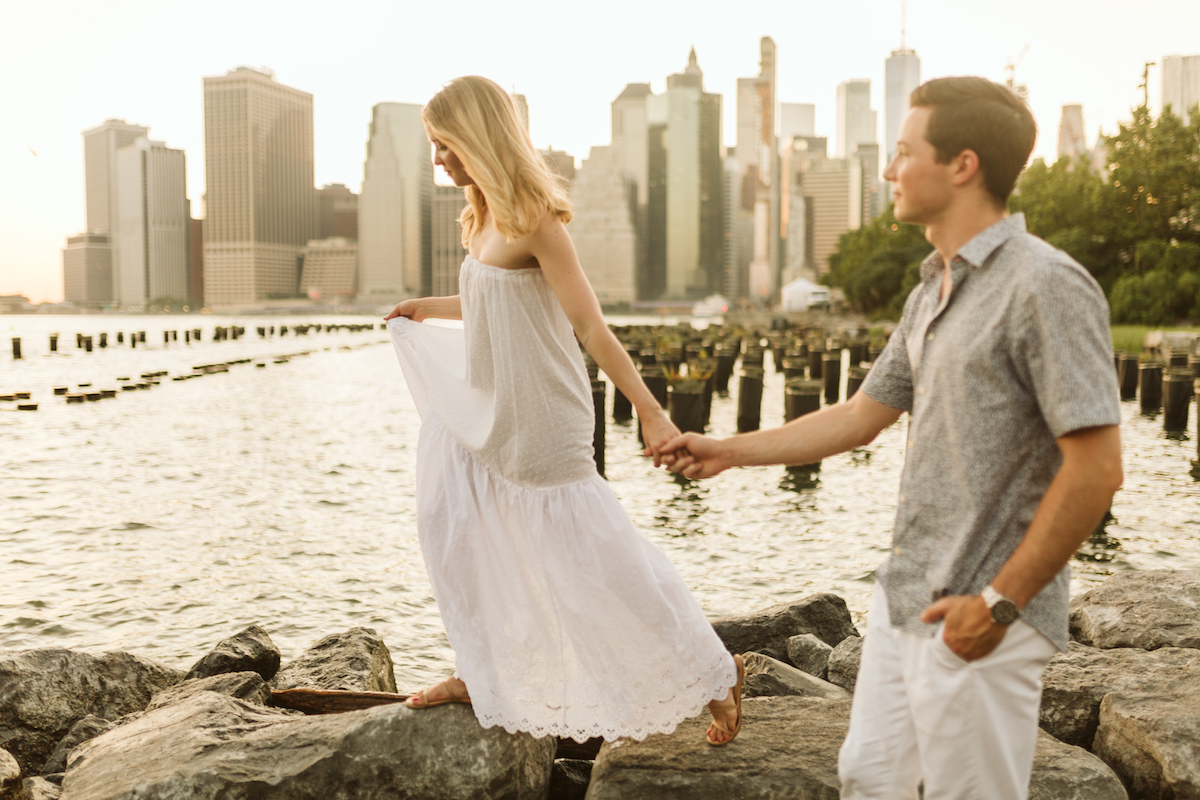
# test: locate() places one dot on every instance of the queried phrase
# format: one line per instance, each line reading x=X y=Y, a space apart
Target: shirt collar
x=979 y=249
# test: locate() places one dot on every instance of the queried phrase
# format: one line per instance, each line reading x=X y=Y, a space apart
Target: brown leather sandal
x=421 y=699
x=737 y=699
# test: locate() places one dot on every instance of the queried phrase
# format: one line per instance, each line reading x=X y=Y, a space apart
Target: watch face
x=1005 y=612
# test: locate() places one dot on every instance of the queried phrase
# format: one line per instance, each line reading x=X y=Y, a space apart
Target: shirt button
x=901 y=498
x=920 y=390
x=910 y=445
x=930 y=337
x=896 y=550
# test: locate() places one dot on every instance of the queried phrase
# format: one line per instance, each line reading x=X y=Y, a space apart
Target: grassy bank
x=1130 y=337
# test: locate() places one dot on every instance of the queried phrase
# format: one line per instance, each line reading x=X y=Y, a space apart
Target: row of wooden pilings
x=220 y=333
x=684 y=368
x=1164 y=385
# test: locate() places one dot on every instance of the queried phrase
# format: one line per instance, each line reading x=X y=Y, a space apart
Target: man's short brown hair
x=976 y=114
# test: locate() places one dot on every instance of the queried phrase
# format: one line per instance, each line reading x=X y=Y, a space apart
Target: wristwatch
x=1004 y=611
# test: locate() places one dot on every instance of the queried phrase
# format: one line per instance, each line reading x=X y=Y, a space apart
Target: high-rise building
x=522 y=108
x=603 y=230
x=856 y=121
x=826 y=198
x=395 y=252
x=1071 y=140
x=901 y=75
x=561 y=163
x=1181 y=83
x=87 y=270
x=448 y=252
x=797 y=119
x=100 y=146
x=153 y=225
x=872 y=192
x=685 y=189
x=258 y=141
x=630 y=148
x=757 y=140
x=330 y=269
x=337 y=212
x=196 y=259
x=733 y=226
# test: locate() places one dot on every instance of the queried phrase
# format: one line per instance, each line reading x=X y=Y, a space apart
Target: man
x=1004 y=363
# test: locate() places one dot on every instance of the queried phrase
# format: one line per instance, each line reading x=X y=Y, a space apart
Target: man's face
x=921 y=187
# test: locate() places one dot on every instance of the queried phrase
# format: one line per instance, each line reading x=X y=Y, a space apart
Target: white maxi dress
x=565 y=620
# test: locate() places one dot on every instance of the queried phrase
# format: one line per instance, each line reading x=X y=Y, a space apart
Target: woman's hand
x=413 y=309
x=657 y=430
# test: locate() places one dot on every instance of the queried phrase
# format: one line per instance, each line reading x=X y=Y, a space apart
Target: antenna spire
x=903 y=15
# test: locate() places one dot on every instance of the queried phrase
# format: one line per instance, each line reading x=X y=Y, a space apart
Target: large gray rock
x=40 y=789
x=249 y=651
x=570 y=778
x=787 y=749
x=210 y=746
x=823 y=615
x=844 y=661
x=44 y=692
x=810 y=654
x=1151 y=738
x=1065 y=771
x=248 y=686
x=356 y=660
x=1076 y=681
x=769 y=677
x=1140 y=608
x=87 y=728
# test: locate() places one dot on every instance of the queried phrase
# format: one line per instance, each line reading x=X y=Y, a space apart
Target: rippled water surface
x=163 y=520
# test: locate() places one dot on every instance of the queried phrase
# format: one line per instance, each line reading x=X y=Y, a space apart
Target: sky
x=68 y=65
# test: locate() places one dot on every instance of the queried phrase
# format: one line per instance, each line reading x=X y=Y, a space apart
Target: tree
x=878 y=264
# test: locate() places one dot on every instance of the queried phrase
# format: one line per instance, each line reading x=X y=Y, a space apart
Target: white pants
x=922 y=713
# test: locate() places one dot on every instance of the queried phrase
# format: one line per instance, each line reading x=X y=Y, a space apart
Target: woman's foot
x=727 y=713
x=451 y=690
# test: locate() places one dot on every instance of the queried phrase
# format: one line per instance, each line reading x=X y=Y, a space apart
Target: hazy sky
x=67 y=65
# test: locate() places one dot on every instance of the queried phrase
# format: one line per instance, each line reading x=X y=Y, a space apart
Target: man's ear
x=965 y=167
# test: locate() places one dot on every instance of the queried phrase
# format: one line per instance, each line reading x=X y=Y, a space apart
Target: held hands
x=414 y=309
x=970 y=631
x=694 y=456
x=657 y=430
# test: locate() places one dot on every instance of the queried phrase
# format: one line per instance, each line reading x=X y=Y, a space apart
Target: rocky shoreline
x=1120 y=718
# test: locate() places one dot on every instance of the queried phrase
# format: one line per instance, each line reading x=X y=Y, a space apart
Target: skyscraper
x=258 y=142
x=1071 y=140
x=337 y=212
x=603 y=230
x=685 y=192
x=87 y=270
x=448 y=252
x=100 y=146
x=856 y=121
x=902 y=74
x=1181 y=83
x=153 y=224
x=797 y=119
x=395 y=211
x=763 y=269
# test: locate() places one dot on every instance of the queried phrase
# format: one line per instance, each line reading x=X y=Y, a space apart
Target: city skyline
x=79 y=67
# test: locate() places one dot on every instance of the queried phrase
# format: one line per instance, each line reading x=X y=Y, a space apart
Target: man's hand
x=694 y=456
x=970 y=632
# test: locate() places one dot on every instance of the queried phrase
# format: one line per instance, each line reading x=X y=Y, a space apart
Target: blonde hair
x=478 y=121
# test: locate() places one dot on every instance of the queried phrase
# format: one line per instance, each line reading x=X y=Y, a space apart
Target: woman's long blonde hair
x=478 y=121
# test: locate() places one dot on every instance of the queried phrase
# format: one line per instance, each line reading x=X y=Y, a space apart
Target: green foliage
x=878 y=264
x=1135 y=227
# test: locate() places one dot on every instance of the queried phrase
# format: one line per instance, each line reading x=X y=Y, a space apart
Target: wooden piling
x=1150 y=387
x=750 y=388
x=685 y=404
x=726 y=359
x=854 y=379
x=598 y=431
x=103 y=340
x=1177 y=385
x=87 y=343
x=816 y=357
x=831 y=374
x=1128 y=376
x=54 y=343
x=16 y=348
x=801 y=397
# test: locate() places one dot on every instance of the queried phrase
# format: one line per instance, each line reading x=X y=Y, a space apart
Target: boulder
x=1063 y=771
x=810 y=654
x=356 y=660
x=769 y=759
x=87 y=728
x=44 y=692
x=769 y=677
x=569 y=779
x=248 y=686
x=249 y=651
x=210 y=746
x=1140 y=608
x=1151 y=739
x=823 y=615
x=1076 y=681
x=40 y=789
x=10 y=775
x=843 y=663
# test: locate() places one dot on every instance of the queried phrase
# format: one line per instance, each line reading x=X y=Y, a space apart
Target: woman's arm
x=419 y=309
x=551 y=246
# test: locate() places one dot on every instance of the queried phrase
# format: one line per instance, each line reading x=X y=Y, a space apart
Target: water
x=162 y=521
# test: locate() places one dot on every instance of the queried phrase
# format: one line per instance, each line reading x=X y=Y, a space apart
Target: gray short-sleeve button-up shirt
x=1018 y=354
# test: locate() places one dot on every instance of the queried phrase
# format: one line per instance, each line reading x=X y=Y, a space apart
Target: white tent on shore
x=801 y=295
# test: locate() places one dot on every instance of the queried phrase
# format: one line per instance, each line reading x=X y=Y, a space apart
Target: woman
x=564 y=619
